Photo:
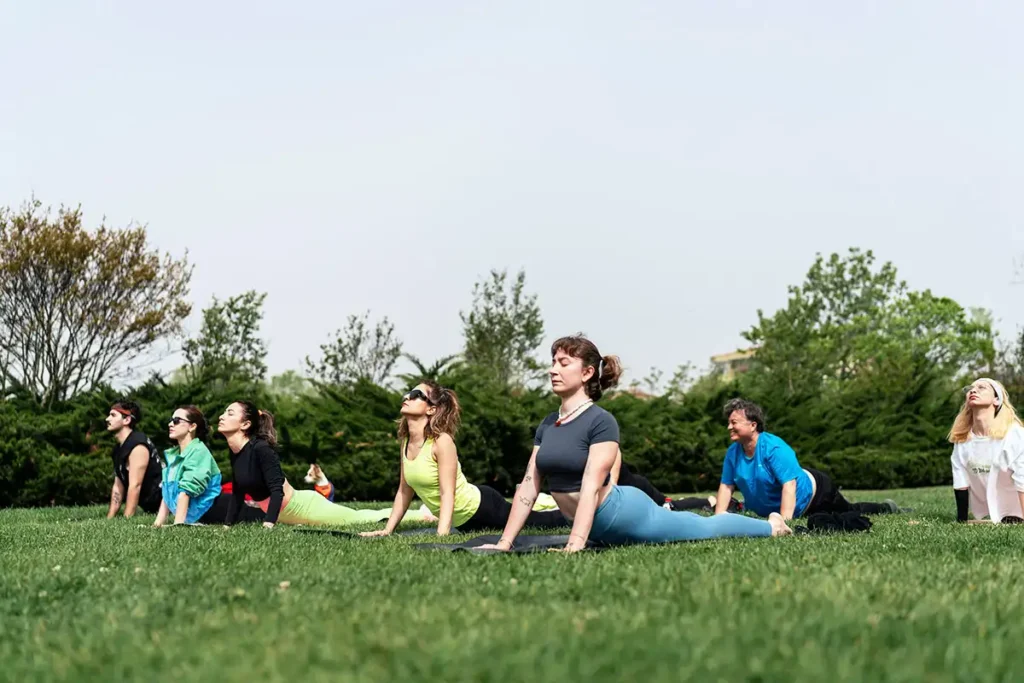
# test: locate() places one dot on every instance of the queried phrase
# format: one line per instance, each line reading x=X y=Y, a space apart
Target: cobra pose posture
x=575 y=450
x=431 y=470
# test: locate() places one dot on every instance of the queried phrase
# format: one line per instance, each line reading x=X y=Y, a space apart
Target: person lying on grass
x=256 y=471
x=137 y=463
x=192 y=480
x=988 y=455
x=767 y=472
x=430 y=469
x=575 y=450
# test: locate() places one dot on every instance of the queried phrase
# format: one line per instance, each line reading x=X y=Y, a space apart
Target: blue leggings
x=628 y=515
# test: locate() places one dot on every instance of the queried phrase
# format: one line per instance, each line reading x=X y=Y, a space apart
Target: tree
x=435 y=371
x=850 y=319
x=229 y=347
x=289 y=384
x=77 y=308
x=503 y=329
x=357 y=353
x=681 y=381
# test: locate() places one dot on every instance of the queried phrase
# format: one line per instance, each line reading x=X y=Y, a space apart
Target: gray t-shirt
x=564 y=449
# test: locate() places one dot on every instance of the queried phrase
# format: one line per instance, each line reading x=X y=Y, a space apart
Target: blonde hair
x=1005 y=418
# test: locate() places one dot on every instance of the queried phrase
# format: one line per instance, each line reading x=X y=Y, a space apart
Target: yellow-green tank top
x=421 y=474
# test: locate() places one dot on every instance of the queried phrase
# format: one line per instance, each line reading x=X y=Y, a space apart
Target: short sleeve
x=960 y=478
x=781 y=460
x=1012 y=456
x=729 y=468
x=605 y=428
x=543 y=427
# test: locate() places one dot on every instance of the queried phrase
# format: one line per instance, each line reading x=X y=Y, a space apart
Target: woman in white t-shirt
x=988 y=455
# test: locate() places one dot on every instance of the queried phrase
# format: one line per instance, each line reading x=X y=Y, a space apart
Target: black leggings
x=494 y=510
x=827 y=498
x=218 y=512
x=629 y=478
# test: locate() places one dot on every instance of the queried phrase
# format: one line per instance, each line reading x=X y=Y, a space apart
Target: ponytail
x=607 y=369
x=261 y=422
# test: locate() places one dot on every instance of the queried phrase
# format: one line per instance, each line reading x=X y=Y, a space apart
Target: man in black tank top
x=137 y=463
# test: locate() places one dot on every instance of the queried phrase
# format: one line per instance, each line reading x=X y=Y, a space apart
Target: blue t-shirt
x=761 y=477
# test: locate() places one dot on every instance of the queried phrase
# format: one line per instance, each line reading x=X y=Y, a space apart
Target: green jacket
x=192 y=470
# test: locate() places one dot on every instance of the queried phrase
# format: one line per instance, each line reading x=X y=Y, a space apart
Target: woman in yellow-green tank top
x=431 y=471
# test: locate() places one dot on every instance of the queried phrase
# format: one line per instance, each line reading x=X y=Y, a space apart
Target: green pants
x=309 y=507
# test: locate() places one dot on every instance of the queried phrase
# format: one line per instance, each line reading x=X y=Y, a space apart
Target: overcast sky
x=660 y=169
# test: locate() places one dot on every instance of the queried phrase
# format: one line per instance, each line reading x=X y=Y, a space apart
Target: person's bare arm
x=403 y=498
x=447 y=471
x=724 y=496
x=788 y=505
x=137 y=463
x=161 y=515
x=116 y=498
x=600 y=460
x=522 y=505
x=616 y=467
x=181 y=513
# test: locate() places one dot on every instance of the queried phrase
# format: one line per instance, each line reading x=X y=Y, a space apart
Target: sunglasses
x=178 y=420
x=417 y=395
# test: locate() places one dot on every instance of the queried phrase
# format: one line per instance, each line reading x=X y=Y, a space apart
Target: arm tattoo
x=525 y=501
x=528 y=478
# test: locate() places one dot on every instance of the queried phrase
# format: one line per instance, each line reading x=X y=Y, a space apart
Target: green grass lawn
x=918 y=598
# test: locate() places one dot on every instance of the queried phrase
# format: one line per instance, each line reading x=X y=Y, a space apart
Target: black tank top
x=152 y=480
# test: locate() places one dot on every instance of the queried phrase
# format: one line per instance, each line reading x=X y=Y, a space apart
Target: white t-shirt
x=993 y=471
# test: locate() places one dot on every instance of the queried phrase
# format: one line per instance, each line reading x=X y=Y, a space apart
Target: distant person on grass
x=256 y=471
x=575 y=450
x=137 y=463
x=192 y=480
x=430 y=469
x=988 y=456
x=768 y=474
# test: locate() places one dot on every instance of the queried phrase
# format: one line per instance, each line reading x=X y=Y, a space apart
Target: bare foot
x=427 y=514
x=779 y=526
x=712 y=501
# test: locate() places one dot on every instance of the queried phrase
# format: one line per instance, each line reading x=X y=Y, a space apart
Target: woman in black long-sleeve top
x=256 y=471
x=255 y=466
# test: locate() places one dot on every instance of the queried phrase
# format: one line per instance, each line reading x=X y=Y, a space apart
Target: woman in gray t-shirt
x=575 y=449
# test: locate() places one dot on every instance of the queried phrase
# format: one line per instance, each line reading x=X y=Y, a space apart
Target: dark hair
x=751 y=411
x=196 y=417
x=607 y=369
x=261 y=422
x=133 y=408
x=445 y=420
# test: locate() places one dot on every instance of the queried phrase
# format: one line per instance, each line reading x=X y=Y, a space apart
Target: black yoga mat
x=523 y=544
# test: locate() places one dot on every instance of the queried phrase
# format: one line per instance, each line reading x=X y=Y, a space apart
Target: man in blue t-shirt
x=767 y=473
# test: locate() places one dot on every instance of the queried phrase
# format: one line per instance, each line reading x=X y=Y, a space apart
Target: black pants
x=629 y=478
x=218 y=512
x=494 y=510
x=827 y=498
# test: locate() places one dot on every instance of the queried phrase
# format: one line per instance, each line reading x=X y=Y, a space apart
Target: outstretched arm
x=138 y=461
x=116 y=498
x=522 y=505
x=788 y=505
x=600 y=460
x=403 y=498
x=447 y=471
